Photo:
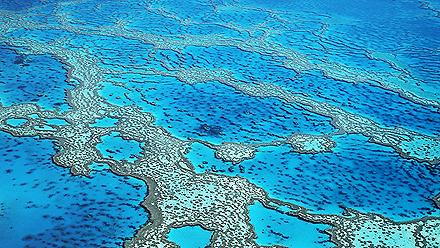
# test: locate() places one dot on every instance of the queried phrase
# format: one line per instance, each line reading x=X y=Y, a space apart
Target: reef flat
x=296 y=114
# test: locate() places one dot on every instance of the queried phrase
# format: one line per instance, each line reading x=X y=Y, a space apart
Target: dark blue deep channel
x=43 y=205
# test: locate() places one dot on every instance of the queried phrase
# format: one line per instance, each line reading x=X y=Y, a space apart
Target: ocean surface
x=44 y=206
x=188 y=64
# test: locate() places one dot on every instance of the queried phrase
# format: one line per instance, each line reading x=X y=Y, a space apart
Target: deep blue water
x=384 y=107
x=214 y=112
x=18 y=5
x=37 y=79
x=42 y=205
x=358 y=175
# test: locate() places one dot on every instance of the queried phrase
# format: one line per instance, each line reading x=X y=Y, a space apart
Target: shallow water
x=190 y=236
x=272 y=227
x=375 y=59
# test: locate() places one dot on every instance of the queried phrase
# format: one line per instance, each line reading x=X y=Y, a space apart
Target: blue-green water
x=113 y=146
x=376 y=59
x=190 y=237
x=272 y=227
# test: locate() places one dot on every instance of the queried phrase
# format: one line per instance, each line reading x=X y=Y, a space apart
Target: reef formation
x=114 y=58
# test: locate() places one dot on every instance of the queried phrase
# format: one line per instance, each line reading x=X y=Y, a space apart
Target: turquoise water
x=190 y=237
x=204 y=160
x=272 y=227
x=56 y=122
x=376 y=59
x=115 y=147
x=104 y=122
x=16 y=122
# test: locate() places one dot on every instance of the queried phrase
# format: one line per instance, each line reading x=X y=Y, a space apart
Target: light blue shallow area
x=115 y=147
x=104 y=122
x=273 y=228
x=16 y=122
x=190 y=237
x=203 y=159
x=42 y=205
x=56 y=122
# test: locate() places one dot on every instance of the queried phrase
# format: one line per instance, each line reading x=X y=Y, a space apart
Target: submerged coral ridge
x=119 y=61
